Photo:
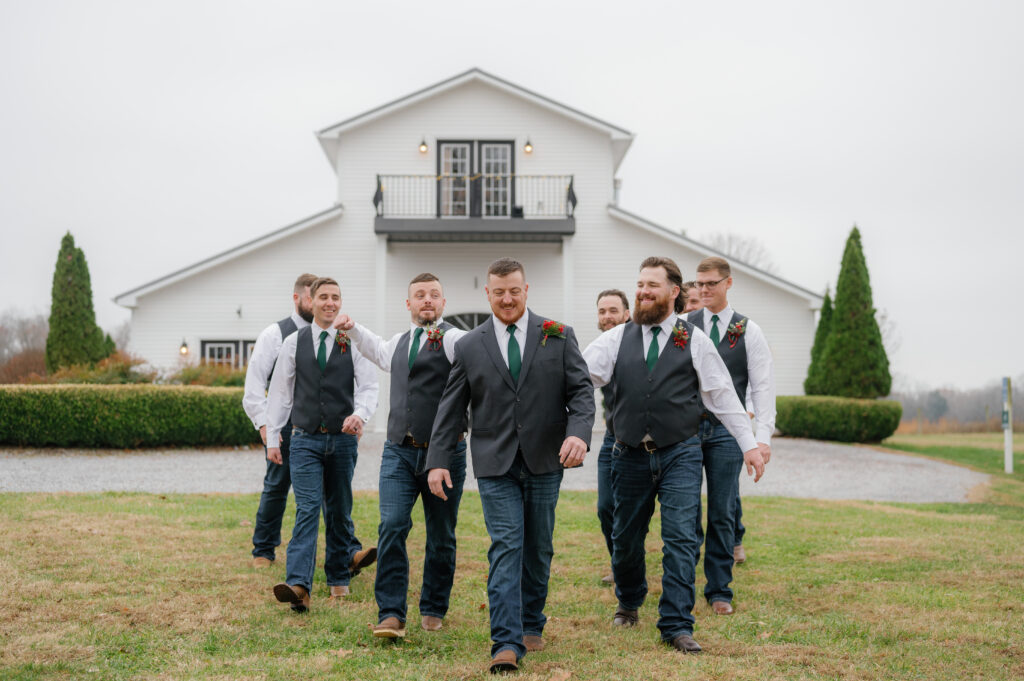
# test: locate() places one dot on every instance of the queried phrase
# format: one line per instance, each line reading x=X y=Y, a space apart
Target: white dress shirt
x=502 y=334
x=282 y=385
x=716 y=389
x=760 y=371
x=261 y=362
x=382 y=352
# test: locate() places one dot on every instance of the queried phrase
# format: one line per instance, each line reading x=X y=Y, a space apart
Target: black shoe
x=625 y=618
x=684 y=643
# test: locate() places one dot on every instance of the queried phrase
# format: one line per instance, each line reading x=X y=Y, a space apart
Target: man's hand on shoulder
x=437 y=480
x=344 y=322
x=572 y=452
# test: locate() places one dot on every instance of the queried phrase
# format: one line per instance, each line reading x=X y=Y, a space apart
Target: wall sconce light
x=184 y=347
x=528 y=148
x=423 y=146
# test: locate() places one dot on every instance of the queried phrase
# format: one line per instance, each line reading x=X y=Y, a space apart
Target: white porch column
x=568 y=316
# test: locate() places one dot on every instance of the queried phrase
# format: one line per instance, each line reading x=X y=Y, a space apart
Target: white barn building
x=502 y=171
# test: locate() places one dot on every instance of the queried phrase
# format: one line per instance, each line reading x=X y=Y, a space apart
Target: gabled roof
x=814 y=299
x=621 y=138
x=130 y=298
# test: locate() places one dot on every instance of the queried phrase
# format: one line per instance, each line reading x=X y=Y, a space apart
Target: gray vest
x=416 y=392
x=608 y=402
x=664 y=402
x=733 y=353
x=322 y=397
x=287 y=328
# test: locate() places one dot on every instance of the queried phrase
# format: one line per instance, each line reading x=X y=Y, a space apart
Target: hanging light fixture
x=423 y=146
x=528 y=148
x=184 y=347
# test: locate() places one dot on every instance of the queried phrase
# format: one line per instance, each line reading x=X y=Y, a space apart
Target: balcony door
x=496 y=167
x=456 y=162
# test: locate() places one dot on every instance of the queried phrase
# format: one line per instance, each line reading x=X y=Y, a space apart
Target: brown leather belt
x=409 y=441
x=647 y=445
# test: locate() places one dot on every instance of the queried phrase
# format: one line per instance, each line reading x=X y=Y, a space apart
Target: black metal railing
x=480 y=195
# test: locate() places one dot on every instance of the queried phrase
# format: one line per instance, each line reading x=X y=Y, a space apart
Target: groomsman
x=663 y=368
x=612 y=310
x=330 y=391
x=266 y=535
x=419 y=361
x=532 y=415
x=691 y=296
x=743 y=347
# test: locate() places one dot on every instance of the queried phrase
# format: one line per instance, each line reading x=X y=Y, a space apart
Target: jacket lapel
x=491 y=346
x=532 y=342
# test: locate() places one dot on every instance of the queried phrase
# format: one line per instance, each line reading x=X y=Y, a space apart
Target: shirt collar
x=299 y=321
x=331 y=332
x=500 y=327
x=723 y=316
x=413 y=327
x=666 y=325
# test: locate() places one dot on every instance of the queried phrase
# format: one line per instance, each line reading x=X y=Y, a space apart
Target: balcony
x=478 y=207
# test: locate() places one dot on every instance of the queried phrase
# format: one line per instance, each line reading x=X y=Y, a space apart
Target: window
x=475 y=178
x=232 y=354
x=467 y=320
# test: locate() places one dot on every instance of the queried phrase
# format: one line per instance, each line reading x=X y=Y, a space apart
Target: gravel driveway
x=799 y=468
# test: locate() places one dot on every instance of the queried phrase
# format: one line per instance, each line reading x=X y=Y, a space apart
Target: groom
x=532 y=407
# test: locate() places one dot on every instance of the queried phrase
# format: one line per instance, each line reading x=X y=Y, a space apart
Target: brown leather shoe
x=608 y=579
x=533 y=644
x=431 y=623
x=259 y=563
x=362 y=559
x=739 y=556
x=296 y=596
x=504 y=661
x=389 y=627
x=684 y=643
x=722 y=607
x=338 y=593
x=625 y=618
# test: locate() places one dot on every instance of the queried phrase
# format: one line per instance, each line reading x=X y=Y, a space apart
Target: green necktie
x=652 y=350
x=714 y=330
x=515 y=360
x=415 y=345
x=321 y=353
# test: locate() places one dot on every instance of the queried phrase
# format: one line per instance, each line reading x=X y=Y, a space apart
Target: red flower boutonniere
x=343 y=341
x=735 y=330
x=680 y=336
x=552 y=328
x=435 y=336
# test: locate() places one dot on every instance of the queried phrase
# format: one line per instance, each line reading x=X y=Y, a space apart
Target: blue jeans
x=266 y=535
x=402 y=479
x=723 y=462
x=605 y=501
x=672 y=476
x=519 y=510
x=321 y=467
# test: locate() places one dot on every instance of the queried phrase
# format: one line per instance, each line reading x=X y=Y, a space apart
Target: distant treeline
x=981 y=406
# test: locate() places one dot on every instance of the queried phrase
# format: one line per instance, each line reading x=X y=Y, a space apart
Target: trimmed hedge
x=123 y=416
x=837 y=418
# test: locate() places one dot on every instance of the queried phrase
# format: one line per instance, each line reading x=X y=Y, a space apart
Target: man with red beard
x=666 y=373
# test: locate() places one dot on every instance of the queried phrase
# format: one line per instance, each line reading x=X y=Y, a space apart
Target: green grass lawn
x=125 y=586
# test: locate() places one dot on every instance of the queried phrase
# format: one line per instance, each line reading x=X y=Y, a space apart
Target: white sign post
x=1007 y=426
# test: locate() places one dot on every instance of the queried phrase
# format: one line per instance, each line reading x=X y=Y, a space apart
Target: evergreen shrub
x=123 y=416
x=837 y=418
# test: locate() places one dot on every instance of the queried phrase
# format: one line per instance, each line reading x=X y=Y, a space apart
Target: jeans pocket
x=297 y=431
x=617 y=450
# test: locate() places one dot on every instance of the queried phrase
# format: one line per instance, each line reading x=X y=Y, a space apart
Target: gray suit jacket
x=553 y=399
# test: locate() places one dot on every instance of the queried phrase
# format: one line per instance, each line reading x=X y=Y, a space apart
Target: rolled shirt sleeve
x=261 y=362
x=281 y=392
x=761 y=379
x=717 y=391
x=367 y=386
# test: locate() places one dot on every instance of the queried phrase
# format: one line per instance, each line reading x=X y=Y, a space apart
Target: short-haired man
x=691 y=297
x=663 y=367
x=419 y=361
x=743 y=348
x=532 y=414
x=266 y=535
x=330 y=390
x=612 y=310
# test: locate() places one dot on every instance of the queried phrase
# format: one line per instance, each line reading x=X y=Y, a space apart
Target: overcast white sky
x=160 y=133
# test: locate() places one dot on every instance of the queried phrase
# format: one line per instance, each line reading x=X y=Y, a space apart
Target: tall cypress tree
x=854 y=363
x=812 y=384
x=74 y=337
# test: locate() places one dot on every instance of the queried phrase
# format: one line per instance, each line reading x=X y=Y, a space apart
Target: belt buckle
x=649 y=446
x=322 y=429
